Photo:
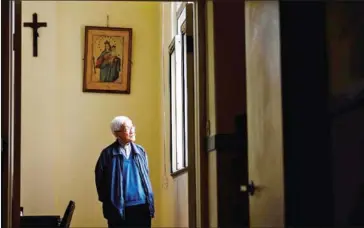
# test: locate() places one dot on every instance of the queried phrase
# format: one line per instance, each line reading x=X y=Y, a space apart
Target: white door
x=264 y=114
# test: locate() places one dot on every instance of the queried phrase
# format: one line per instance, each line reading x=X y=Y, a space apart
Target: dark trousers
x=135 y=216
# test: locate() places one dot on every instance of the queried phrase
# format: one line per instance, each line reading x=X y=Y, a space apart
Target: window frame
x=179 y=35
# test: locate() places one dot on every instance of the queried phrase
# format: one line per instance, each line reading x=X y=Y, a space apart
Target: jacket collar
x=116 y=148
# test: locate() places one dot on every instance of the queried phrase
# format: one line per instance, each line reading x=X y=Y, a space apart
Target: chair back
x=67 y=217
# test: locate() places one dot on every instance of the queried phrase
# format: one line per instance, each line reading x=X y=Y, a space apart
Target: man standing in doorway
x=122 y=179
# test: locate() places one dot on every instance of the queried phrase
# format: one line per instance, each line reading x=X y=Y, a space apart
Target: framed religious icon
x=107 y=60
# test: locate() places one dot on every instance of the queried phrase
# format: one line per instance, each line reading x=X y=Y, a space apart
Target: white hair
x=118 y=122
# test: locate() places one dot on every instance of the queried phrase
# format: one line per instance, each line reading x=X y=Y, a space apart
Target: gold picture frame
x=107 y=60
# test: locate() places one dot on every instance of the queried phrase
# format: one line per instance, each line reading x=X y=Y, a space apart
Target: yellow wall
x=64 y=129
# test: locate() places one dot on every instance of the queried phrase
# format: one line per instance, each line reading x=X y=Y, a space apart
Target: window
x=181 y=75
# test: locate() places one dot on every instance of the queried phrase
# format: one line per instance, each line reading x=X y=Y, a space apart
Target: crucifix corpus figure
x=35 y=25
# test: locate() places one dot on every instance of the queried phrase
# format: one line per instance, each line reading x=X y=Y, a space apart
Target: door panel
x=228 y=84
x=264 y=113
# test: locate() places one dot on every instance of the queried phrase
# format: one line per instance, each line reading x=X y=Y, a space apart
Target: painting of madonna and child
x=107 y=59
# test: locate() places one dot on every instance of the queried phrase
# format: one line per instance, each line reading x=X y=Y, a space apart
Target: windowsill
x=179 y=172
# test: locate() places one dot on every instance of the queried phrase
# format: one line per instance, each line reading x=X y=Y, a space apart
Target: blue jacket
x=109 y=179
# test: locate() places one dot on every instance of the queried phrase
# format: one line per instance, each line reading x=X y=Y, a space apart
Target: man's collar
x=122 y=144
x=116 y=150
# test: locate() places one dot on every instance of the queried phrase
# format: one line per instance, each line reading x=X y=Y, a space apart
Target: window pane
x=185 y=113
x=177 y=5
x=179 y=103
x=180 y=20
x=173 y=111
x=178 y=89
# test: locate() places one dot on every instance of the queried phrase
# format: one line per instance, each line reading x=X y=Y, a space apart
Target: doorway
x=52 y=87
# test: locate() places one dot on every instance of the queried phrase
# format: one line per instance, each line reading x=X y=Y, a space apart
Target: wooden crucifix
x=35 y=25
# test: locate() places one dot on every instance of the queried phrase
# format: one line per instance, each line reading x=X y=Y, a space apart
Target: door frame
x=5 y=73
x=12 y=121
x=200 y=174
x=17 y=116
x=198 y=203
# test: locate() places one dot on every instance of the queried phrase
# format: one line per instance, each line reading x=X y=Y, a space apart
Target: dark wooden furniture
x=67 y=217
x=49 y=221
x=40 y=221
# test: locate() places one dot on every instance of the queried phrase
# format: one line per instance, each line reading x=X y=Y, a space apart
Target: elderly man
x=122 y=179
